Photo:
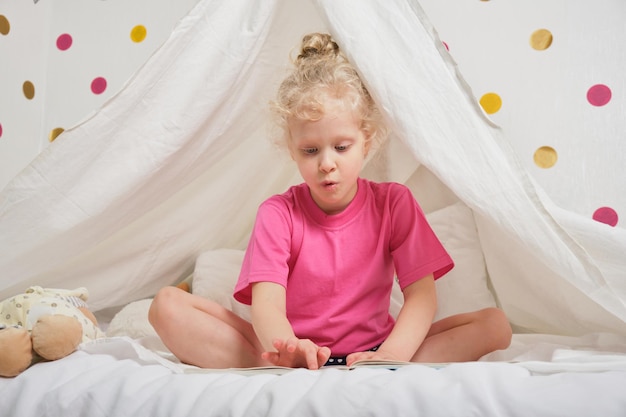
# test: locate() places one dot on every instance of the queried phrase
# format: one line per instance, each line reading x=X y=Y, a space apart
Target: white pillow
x=132 y=321
x=461 y=290
x=215 y=276
x=464 y=288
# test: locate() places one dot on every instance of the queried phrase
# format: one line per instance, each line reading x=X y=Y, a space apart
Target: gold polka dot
x=29 y=90
x=491 y=103
x=545 y=157
x=541 y=39
x=138 y=33
x=54 y=133
x=5 y=26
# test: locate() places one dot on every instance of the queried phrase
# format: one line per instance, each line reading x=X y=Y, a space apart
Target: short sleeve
x=416 y=250
x=268 y=253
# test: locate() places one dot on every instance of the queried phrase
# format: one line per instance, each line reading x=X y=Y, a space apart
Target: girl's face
x=329 y=153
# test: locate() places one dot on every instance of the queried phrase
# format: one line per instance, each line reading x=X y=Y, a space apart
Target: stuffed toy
x=43 y=323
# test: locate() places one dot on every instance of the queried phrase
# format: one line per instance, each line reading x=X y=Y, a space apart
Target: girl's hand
x=379 y=355
x=297 y=353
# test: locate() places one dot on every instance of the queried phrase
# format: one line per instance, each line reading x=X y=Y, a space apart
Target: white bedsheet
x=120 y=377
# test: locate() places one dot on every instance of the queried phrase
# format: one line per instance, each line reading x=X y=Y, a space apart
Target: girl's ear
x=288 y=143
x=367 y=145
x=290 y=147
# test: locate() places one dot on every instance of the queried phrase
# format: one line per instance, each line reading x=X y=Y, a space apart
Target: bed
x=99 y=384
x=162 y=183
x=121 y=376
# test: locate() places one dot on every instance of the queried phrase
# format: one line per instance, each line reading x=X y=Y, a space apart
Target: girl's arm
x=275 y=333
x=412 y=325
x=269 y=317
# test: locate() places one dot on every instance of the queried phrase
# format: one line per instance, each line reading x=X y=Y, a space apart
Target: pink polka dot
x=599 y=95
x=606 y=215
x=446 y=45
x=98 y=85
x=0 y=130
x=64 y=42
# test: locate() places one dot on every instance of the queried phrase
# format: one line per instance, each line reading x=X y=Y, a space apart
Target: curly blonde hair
x=321 y=71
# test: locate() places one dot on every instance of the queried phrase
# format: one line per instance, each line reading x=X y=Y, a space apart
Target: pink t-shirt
x=338 y=270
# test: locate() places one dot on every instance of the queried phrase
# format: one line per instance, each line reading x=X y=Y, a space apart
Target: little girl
x=322 y=257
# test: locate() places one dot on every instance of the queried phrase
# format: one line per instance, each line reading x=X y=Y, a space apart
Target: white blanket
x=120 y=377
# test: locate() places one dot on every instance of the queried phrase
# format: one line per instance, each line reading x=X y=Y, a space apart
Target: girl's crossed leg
x=203 y=333
x=465 y=337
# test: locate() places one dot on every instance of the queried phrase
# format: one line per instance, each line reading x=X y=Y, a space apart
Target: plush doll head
x=43 y=323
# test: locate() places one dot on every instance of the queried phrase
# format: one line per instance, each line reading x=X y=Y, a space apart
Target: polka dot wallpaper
x=60 y=60
x=549 y=73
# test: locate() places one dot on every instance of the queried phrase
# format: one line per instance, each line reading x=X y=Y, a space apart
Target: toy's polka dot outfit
x=24 y=310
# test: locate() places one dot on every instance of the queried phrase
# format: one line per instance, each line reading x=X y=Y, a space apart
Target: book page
x=279 y=370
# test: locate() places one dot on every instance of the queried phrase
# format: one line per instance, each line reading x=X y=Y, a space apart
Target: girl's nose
x=327 y=162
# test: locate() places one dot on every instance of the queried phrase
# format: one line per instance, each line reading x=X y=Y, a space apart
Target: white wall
x=543 y=92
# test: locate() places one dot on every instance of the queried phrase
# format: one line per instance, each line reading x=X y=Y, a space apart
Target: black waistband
x=341 y=360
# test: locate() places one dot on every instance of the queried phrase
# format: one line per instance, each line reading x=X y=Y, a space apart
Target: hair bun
x=316 y=46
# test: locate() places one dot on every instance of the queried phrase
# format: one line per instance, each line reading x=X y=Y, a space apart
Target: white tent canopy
x=176 y=163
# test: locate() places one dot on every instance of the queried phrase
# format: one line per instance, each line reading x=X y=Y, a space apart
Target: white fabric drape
x=178 y=160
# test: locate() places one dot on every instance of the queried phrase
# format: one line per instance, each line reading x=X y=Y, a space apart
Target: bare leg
x=203 y=333
x=465 y=337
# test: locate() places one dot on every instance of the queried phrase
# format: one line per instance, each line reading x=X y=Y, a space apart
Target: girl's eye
x=342 y=148
x=309 y=151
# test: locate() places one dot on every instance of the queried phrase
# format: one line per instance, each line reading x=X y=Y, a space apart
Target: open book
x=279 y=370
